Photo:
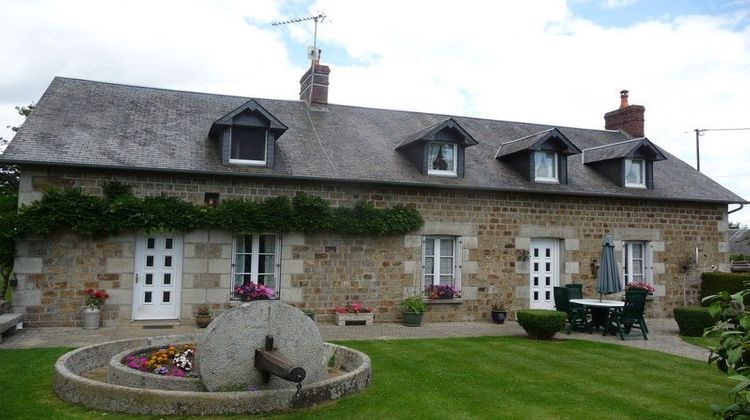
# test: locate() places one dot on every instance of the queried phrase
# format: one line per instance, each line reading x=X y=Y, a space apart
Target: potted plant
x=203 y=317
x=251 y=291
x=92 y=309
x=441 y=291
x=639 y=285
x=412 y=309
x=354 y=312
x=310 y=313
x=498 y=313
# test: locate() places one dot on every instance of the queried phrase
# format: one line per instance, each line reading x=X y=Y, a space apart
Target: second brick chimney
x=629 y=118
x=317 y=77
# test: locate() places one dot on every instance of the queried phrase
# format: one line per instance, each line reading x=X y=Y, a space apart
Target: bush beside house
x=541 y=323
x=715 y=282
x=693 y=320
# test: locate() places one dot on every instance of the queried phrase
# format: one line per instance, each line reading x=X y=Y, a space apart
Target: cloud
x=523 y=61
x=616 y=4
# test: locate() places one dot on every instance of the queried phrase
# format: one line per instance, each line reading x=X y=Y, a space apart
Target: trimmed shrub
x=541 y=323
x=714 y=282
x=693 y=320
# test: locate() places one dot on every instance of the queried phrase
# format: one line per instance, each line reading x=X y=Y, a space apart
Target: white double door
x=157 y=286
x=544 y=268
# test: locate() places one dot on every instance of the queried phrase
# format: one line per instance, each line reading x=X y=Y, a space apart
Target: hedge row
x=541 y=323
x=693 y=320
x=715 y=282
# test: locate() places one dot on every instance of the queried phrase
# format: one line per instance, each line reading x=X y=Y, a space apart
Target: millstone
x=226 y=351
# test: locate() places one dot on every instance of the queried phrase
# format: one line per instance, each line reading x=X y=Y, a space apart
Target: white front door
x=158 y=277
x=544 y=266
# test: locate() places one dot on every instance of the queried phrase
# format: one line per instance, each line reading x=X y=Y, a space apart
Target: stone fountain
x=261 y=357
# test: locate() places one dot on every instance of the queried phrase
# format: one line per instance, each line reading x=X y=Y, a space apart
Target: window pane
x=536 y=252
x=167 y=261
x=633 y=171
x=165 y=297
x=147 y=297
x=167 y=279
x=241 y=279
x=544 y=165
x=245 y=244
x=442 y=157
x=446 y=247
x=446 y=265
x=637 y=251
x=149 y=261
x=429 y=265
x=168 y=243
x=446 y=279
x=267 y=244
x=247 y=266
x=248 y=143
x=267 y=280
x=150 y=243
x=536 y=295
x=149 y=279
x=265 y=264
x=427 y=280
x=536 y=281
x=429 y=247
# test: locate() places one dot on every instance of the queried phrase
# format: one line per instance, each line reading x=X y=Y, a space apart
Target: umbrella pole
x=600 y=297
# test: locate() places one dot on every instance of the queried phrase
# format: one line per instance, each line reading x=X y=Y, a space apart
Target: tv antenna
x=313 y=53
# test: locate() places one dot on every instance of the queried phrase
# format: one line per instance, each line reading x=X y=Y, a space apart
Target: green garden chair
x=631 y=315
x=575 y=290
x=576 y=315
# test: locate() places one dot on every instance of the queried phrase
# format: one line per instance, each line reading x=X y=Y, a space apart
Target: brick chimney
x=629 y=118
x=317 y=75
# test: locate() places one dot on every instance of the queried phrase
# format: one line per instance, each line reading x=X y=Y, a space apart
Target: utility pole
x=701 y=131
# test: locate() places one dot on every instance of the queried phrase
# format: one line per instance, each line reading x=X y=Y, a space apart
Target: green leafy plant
x=732 y=354
x=412 y=304
x=693 y=320
x=540 y=323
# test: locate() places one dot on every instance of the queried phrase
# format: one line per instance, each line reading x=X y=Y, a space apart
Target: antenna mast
x=314 y=54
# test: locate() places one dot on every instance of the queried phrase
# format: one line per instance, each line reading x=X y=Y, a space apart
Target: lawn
x=701 y=341
x=487 y=377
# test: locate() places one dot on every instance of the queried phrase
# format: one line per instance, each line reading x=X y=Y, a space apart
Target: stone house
x=511 y=209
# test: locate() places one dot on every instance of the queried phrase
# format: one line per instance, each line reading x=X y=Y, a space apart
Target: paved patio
x=663 y=336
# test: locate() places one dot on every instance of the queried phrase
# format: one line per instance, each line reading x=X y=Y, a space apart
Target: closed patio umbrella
x=608 y=278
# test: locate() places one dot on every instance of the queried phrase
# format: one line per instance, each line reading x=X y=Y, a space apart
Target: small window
x=439 y=261
x=256 y=260
x=441 y=159
x=637 y=262
x=545 y=167
x=635 y=173
x=248 y=145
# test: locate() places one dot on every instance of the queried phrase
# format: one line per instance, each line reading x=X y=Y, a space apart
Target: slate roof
x=739 y=241
x=533 y=142
x=426 y=133
x=623 y=149
x=95 y=124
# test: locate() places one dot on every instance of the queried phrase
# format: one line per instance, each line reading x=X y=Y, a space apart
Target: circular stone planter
x=121 y=374
x=71 y=386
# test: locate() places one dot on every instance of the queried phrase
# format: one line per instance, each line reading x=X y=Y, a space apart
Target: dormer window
x=635 y=173
x=629 y=163
x=540 y=157
x=442 y=159
x=438 y=150
x=247 y=135
x=545 y=167
x=249 y=145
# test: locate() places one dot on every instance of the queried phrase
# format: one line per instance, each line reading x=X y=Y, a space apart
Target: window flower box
x=344 y=318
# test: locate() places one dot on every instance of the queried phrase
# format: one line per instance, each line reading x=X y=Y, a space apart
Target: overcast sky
x=547 y=61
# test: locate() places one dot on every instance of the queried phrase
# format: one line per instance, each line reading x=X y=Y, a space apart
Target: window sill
x=454 y=301
x=546 y=181
x=635 y=186
x=443 y=173
x=247 y=162
x=233 y=303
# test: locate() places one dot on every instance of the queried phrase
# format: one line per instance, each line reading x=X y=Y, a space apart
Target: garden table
x=600 y=310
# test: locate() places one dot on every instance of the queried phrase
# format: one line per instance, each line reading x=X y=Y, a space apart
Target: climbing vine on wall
x=121 y=211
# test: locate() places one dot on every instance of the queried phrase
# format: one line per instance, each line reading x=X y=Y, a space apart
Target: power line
x=701 y=131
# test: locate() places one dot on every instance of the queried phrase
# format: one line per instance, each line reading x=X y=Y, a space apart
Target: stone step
x=10 y=323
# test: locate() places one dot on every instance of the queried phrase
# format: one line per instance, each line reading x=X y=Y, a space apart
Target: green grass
x=487 y=377
x=701 y=341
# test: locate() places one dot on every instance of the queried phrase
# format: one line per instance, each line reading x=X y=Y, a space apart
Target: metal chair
x=576 y=315
x=575 y=290
x=631 y=315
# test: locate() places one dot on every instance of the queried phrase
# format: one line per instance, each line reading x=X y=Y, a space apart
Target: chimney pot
x=623 y=99
x=628 y=118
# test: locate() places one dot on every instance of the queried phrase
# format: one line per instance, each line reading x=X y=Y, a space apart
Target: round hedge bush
x=541 y=323
x=692 y=320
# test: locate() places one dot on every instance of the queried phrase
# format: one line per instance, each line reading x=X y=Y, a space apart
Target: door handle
x=136 y=278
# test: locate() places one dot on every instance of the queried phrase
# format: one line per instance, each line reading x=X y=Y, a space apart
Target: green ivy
x=121 y=211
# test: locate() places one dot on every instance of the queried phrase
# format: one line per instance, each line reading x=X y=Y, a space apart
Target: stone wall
x=321 y=271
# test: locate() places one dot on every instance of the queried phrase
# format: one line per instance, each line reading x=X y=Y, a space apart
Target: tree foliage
x=732 y=354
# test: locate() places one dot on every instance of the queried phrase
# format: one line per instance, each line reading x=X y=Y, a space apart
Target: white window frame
x=457 y=251
x=628 y=262
x=539 y=178
x=642 y=184
x=254 y=258
x=250 y=162
x=449 y=172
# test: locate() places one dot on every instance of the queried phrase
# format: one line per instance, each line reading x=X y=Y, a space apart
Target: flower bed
x=174 y=360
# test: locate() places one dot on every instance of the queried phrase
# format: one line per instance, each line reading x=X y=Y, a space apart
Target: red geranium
x=95 y=298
